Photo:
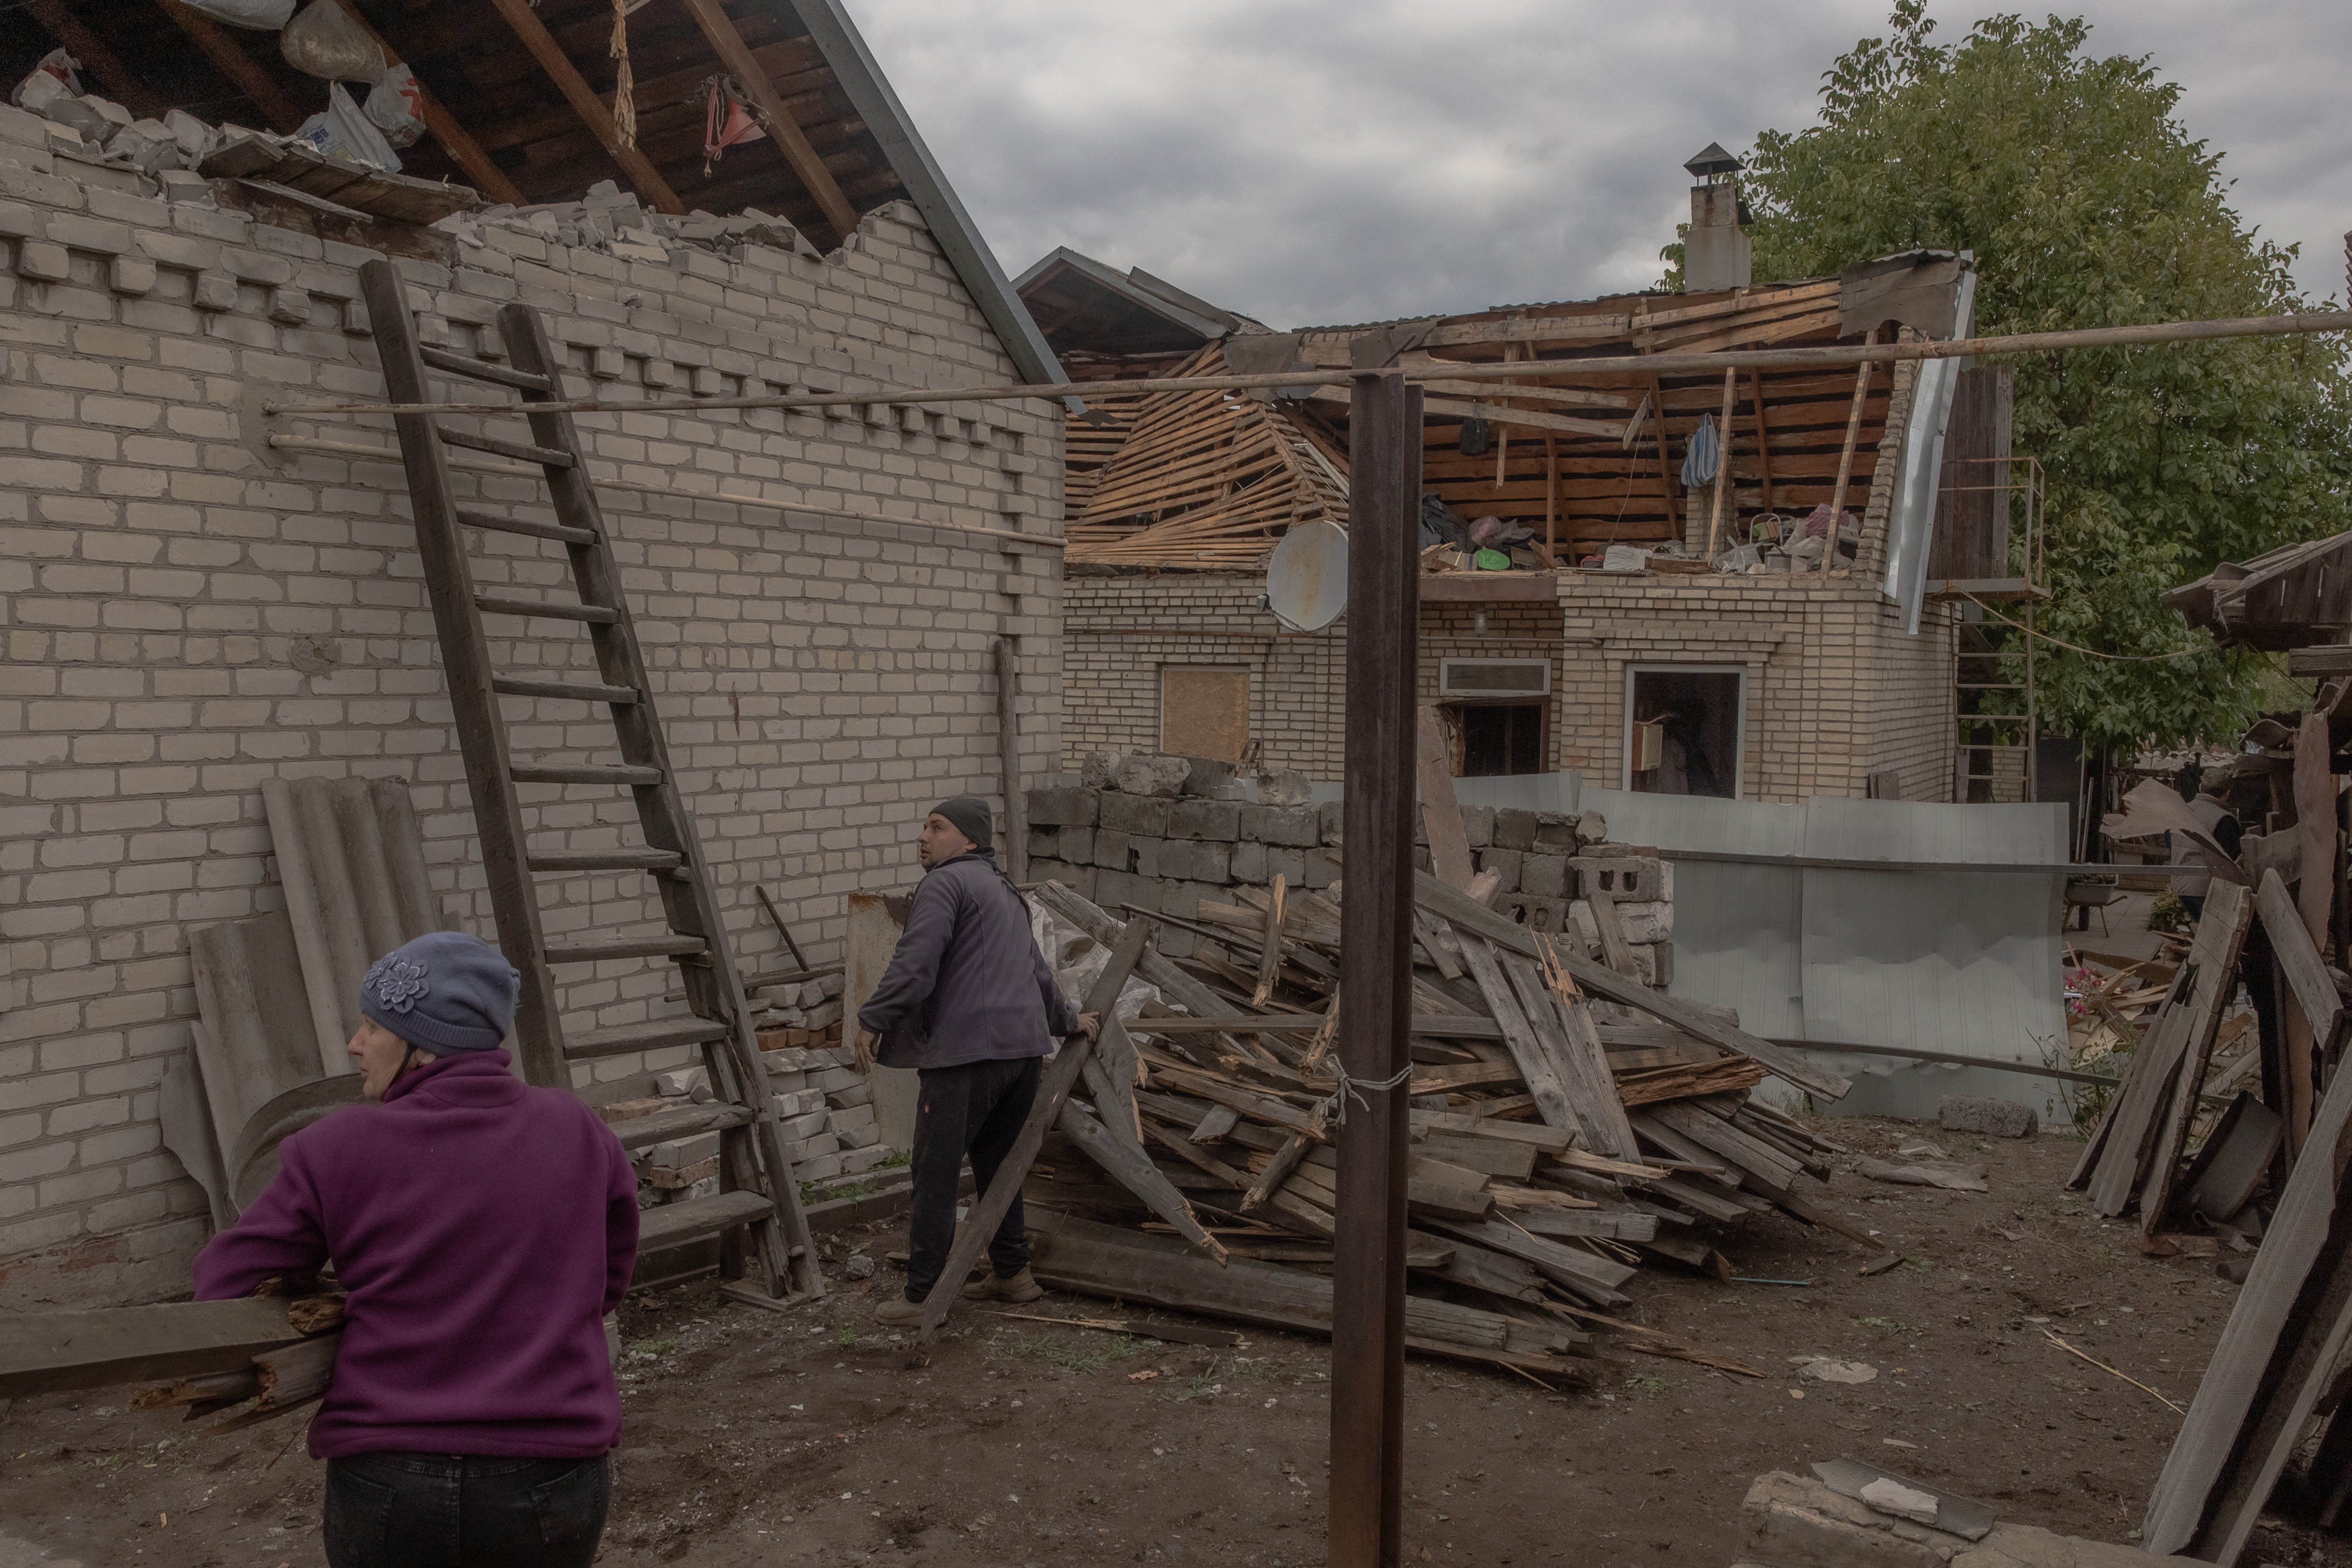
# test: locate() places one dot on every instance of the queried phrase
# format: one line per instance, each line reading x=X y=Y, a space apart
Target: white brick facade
x=188 y=612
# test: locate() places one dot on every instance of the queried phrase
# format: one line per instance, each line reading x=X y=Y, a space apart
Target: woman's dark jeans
x=460 y=1510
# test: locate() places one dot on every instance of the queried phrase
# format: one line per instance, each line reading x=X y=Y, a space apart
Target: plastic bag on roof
x=262 y=16
x=326 y=42
x=59 y=67
x=396 y=105
x=340 y=130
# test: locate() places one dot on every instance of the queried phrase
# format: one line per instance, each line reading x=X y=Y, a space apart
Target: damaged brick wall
x=189 y=611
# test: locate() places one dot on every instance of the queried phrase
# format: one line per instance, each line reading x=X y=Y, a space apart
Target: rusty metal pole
x=1367 y=1523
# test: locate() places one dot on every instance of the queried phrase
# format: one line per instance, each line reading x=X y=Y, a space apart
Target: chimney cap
x=1714 y=160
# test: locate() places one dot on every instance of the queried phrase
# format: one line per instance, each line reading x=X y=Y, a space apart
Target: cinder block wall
x=187 y=612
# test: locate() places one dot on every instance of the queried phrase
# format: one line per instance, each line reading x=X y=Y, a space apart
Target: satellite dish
x=1306 y=581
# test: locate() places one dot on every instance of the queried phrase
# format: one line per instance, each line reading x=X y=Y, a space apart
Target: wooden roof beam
x=783 y=129
x=241 y=68
x=487 y=177
x=642 y=175
x=104 y=64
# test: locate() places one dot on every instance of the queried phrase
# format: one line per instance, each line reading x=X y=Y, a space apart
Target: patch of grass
x=653 y=1350
x=1923 y=1265
x=1651 y=1385
x=827 y=1192
x=895 y=1160
x=844 y=1336
x=1093 y=1353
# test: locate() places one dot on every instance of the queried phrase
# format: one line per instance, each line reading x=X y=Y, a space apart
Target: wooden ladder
x=759 y=1200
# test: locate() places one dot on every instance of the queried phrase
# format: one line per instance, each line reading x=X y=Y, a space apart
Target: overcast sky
x=1311 y=162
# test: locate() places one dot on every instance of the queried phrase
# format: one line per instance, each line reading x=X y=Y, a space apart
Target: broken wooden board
x=54 y=1352
x=2219 y=934
x=1466 y=914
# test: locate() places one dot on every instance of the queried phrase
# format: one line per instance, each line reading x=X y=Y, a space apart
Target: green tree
x=2087 y=204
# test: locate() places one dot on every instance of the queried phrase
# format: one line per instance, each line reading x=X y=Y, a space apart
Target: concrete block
x=1096 y=769
x=1331 y=820
x=816 y=1167
x=1504 y=863
x=799 y=1101
x=1077 y=845
x=1646 y=922
x=1662 y=960
x=1514 y=829
x=844 y=1117
x=678 y=1153
x=858 y=1162
x=1284 y=788
x=1797 y=1522
x=1142 y=815
x=1538 y=914
x=1592 y=828
x=806 y=1125
x=1143 y=857
x=1216 y=820
x=1063 y=807
x=1984 y=1114
x=852 y=1139
x=1556 y=833
x=1292 y=825
x=1544 y=876
x=1249 y=864
x=1113 y=851
x=1632 y=878
x=827 y=1079
x=860 y=1093
x=1207 y=776
x=1196 y=861
x=1478 y=823
x=1116 y=889
x=1148 y=774
x=1045 y=844
x=1322 y=867
x=1079 y=879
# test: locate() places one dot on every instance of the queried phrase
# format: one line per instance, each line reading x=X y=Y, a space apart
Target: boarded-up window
x=1205 y=711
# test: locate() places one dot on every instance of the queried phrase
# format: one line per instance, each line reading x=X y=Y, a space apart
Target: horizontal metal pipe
x=1826 y=356
x=2029 y=869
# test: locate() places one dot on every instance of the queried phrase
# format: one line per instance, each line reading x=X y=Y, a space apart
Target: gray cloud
x=1316 y=161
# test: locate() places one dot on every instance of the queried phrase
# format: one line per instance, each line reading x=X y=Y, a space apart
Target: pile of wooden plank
x=1570 y=1126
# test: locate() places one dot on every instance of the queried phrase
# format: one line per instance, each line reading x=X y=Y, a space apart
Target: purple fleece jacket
x=483 y=1228
x=966 y=983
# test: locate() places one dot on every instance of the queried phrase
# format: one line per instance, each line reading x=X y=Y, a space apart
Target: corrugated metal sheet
x=1911 y=521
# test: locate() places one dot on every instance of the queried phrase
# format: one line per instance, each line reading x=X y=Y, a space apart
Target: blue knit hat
x=444 y=991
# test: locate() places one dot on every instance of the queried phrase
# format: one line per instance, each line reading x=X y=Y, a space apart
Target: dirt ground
x=814 y=1438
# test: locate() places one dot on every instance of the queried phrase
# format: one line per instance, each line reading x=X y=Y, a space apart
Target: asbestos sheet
x=253 y=1037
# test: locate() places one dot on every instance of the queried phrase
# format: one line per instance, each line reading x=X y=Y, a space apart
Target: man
x=482 y=1229
x=2211 y=809
x=968 y=1001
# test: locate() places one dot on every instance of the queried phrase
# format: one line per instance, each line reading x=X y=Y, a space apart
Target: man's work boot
x=1021 y=1286
x=898 y=1312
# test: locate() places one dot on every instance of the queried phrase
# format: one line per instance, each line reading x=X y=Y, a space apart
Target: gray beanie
x=971 y=818
x=444 y=991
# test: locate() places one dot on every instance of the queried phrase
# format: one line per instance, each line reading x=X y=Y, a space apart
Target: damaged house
x=1627 y=575
x=214 y=602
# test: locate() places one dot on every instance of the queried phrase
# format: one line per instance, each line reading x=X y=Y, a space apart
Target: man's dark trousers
x=977 y=1110
x=456 y=1511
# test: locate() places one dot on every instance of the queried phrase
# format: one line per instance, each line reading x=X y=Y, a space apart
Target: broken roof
x=1083 y=305
x=518 y=96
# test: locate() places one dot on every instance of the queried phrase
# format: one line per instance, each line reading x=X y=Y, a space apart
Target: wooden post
x=1722 y=462
x=1763 y=436
x=1015 y=858
x=1551 y=499
x=639 y=170
x=783 y=129
x=1367 y=1491
x=1845 y=459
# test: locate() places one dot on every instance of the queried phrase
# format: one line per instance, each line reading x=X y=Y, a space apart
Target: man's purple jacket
x=483 y=1228
x=966 y=983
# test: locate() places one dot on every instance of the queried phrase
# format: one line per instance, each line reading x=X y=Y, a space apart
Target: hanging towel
x=1699 y=457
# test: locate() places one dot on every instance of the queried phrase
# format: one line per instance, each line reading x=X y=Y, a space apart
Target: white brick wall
x=187 y=613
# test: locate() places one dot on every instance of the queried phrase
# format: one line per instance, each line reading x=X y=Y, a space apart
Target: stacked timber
x=1568 y=1124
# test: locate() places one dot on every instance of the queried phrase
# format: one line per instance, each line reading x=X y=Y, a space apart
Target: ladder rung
x=522 y=451
x=605 y=860
x=644 y=1037
x=595 y=614
x=584 y=772
x=509 y=686
x=686 y=1121
x=481 y=369
x=672 y=1224
x=631 y=947
x=555 y=530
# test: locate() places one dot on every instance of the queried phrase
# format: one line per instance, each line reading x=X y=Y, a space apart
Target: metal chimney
x=1716 y=253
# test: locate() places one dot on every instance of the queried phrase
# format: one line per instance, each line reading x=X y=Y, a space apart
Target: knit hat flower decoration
x=397 y=982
